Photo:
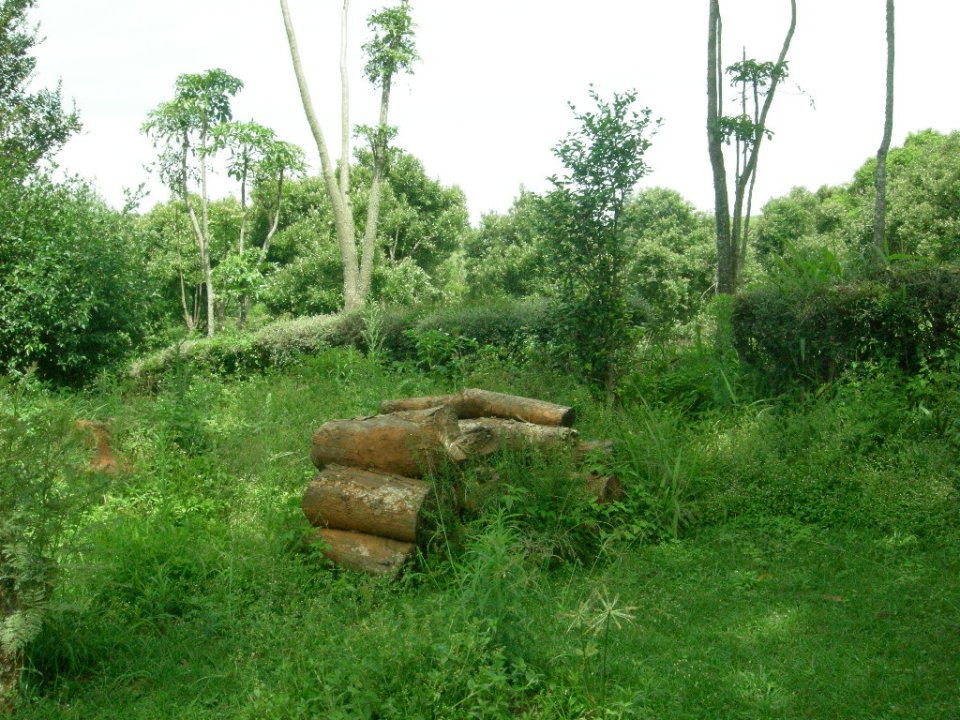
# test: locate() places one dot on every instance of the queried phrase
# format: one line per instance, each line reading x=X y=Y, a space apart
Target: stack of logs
x=370 y=503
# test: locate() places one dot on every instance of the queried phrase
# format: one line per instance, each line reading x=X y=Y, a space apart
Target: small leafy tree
x=256 y=157
x=182 y=130
x=589 y=249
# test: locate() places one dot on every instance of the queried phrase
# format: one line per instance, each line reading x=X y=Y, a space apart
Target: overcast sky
x=488 y=101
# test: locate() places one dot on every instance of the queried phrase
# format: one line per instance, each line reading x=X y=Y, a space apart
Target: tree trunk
x=343 y=217
x=368 y=502
x=205 y=245
x=880 y=210
x=344 y=108
x=373 y=205
x=726 y=267
x=410 y=444
x=363 y=553
x=477 y=441
x=745 y=183
x=593 y=449
x=483 y=403
x=472 y=403
x=522 y=435
x=731 y=239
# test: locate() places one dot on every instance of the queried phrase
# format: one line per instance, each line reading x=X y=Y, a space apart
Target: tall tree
x=183 y=131
x=880 y=209
x=392 y=50
x=757 y=82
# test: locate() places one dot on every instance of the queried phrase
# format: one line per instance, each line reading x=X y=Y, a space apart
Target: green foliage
x=40 y=486
x=182 y=127
x=33 y=125
x=74 y=296
x=420 y=218
x=589 y=248
x=392 y=48
x=837 y=511
x=923 y=214
x=801 y=333
x=421 y=225
x=923 y=197
x=504 y=255
x=673 y=256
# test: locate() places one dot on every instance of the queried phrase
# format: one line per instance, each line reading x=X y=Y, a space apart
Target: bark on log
x=409 y=444
x=477 y=441
x=474 y=403
x=374 y=503
x=420 y=403
x=521 y=435
x=363 y=553
x=483 y=403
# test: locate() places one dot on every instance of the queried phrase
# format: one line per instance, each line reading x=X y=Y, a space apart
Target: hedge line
x=903 y=316
x=508 y=324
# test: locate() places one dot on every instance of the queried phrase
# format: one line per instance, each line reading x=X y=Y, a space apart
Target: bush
x=810 y=335
x=73 y=296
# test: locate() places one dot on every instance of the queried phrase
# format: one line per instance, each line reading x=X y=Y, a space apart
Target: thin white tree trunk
x=726 y=267
x=205 y=238
x=343 y=219
x=745 y=182
x=880 y=209
x=373 y=206
x=344 y=109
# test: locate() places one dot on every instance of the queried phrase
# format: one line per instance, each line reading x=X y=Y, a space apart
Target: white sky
x=488 y=101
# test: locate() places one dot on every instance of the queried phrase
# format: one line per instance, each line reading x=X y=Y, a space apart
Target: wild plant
x=593 y=623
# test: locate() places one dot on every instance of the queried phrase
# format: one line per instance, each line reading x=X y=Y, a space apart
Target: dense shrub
x=810 y=335
x=73 y=293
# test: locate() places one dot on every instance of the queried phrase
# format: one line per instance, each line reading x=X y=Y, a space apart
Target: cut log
x=409 y=444
x=420 y=403
x=474 y=403
x=363 y=553
x=375 y=503
x=521 y=435
x=483 y=403
x=477 y=441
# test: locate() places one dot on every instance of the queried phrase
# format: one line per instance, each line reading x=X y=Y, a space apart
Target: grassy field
x=773 y=559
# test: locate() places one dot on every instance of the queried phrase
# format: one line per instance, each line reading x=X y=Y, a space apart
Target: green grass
x=789 y=558
x=772 y=621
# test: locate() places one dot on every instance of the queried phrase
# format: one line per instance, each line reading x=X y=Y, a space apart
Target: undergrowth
x=782 y=556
